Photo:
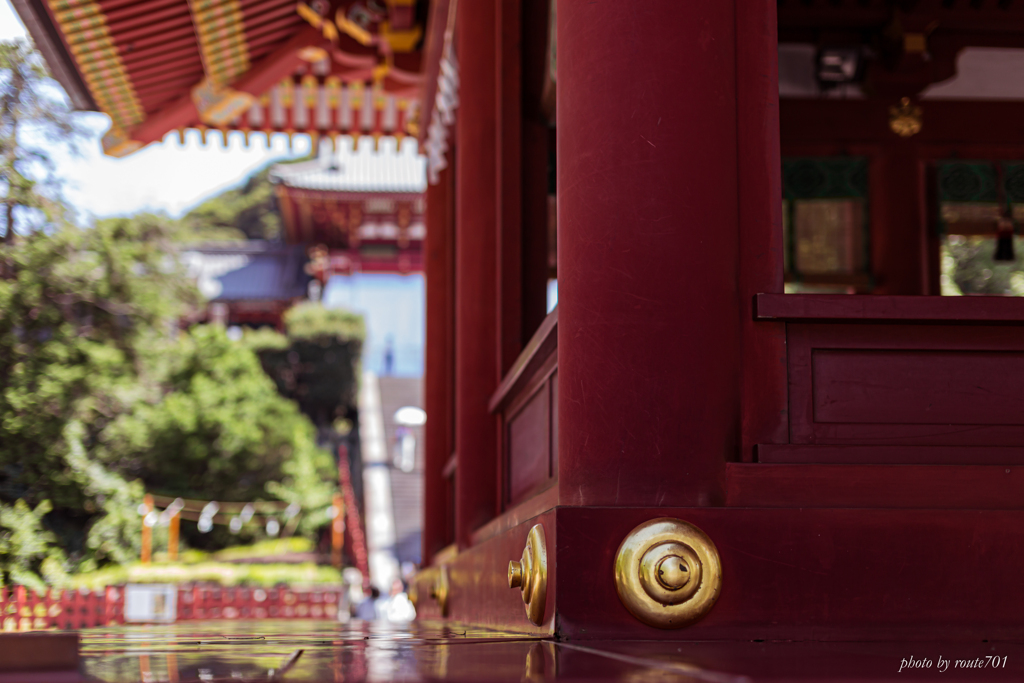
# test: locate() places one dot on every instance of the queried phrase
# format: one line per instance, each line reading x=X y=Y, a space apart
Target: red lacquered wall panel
x=890 y=455
x=875 y=486
x=526 y=401
x=909 y=384
x=529 y=441
x=802 y=574
x=917 y=387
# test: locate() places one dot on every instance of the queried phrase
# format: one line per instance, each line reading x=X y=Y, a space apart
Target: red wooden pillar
x=898 y=196
x=439 y=252
x=508 y=217
x=477 y=370
x=534 y=166
x=652 y=242
x=764 y=401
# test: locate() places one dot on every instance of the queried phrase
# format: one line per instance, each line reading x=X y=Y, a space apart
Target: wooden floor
x=359 y=651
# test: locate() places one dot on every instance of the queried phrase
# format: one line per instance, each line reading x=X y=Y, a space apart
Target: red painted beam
x=154 y=58
x=851 y=17
x=980 y=487
x=286 y=13
x=818 y=121
x=185 y=65
x=113 y=5
x=167 y=49
x=168 y=26
x=255 y=7
x=763 y=402
x=439 y=398
x=258 y=34
x=114 y=16
x=153 y=20
x=259 y=79
x=261 y=46
x=477 y=371
x=890 y=309
x=180 y=112
x=280 y=63
x=157 y=39
x=508 y=218
x=185 y=80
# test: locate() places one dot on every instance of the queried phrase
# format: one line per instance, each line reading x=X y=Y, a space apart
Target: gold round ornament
x=668 y=573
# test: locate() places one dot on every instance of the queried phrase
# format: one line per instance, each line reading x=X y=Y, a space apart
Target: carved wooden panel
x=917 y=387
x=892 y=384
x=529 y=446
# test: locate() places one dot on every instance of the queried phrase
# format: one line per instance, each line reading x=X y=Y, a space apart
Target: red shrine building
x=753 y=415
x=246 y=284
x=360 y=212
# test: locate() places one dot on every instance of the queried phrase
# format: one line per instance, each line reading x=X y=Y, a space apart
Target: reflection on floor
x=360 y=651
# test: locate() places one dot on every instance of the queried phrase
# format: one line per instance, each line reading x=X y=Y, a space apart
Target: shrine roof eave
x=433 y=49
x=160 y=66
x=384 y=174
x=47 y=40
x=349 y=195
x=244 y=271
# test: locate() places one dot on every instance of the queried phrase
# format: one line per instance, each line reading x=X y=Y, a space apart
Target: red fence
x=22 y=609
x=215 y=602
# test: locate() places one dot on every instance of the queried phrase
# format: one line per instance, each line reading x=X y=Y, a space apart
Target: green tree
x=28 y=551
x=83 y=314
x=34 y=115
x=218 y=429
x=968 y=267
x=317 y=364
x=245 y=212
x=101 y=398
x=249 y=211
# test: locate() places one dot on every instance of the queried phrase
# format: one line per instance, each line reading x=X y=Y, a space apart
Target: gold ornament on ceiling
x=905 y=120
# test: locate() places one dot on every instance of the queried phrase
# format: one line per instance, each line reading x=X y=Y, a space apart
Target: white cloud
x=10 y=25
x=164 y=176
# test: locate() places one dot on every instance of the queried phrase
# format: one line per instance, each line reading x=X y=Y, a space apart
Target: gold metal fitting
x=441 y=589
x=905 y=120
x=531 y=574
x=667 y=573
x=414 y=592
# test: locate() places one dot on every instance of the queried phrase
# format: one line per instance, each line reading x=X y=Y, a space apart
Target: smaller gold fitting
x=667 y=573
x=515 y=574
x=531 y=574
x=441 y=589
x=414 y=593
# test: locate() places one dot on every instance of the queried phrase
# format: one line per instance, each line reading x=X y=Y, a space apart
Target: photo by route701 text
x=942 y=664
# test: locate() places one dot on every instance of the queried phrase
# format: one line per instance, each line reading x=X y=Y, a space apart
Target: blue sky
x=393 y=307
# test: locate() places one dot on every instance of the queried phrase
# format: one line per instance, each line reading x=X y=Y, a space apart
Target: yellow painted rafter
x=220 y=27
x=220 y=30
x=84 y=26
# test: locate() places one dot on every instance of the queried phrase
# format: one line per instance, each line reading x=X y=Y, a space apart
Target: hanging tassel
x=1004 y=241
